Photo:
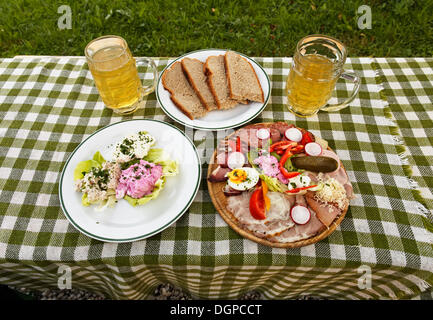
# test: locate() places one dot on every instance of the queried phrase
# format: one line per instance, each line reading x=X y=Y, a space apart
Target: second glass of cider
x=317 y=65
x=115 y=74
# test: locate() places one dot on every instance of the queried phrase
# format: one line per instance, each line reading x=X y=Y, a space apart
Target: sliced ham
x=313 y=176
x=301 y=232
x=349 y=190
x=223 y=146
x=291 y=199
x=300 y=200
x=311 y=228
x=229 y=191
x=326 y=213
x=340 y=175
x=219 y=174
x=248 y=134
x=221 y=159
x=249 y=137
x=277 y=218
x=331 y=154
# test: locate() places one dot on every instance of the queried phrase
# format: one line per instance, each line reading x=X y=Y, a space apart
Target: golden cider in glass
x=116 y=78
x=115 y=73
x=317 y=65
x=310 y=86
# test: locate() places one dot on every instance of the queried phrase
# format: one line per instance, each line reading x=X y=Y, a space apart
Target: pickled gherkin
x=315 y=164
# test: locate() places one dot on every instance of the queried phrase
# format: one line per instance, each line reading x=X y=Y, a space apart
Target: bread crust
x=230 y=102
x=189 y=77
x=184 y=83
x=177 y=103
x=208 y=73
x=233 y=96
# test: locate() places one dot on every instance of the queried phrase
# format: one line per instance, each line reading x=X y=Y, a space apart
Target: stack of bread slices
x=222 y=82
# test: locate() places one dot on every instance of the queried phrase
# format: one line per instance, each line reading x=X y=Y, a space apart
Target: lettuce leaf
x=98 y=158
x=109 y=202
x=169 y=167
x=251 y=156
x=85 y=200
x=155 y=155
x=274 y=184
x=158 y=156
x=85 y=166
x=159 y=185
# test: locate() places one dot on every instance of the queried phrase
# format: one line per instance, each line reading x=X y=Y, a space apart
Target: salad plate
x=279 y=185
x=126 y=221
x=216 y=119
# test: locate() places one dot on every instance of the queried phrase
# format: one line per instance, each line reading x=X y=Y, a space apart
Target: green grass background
x=256 y=28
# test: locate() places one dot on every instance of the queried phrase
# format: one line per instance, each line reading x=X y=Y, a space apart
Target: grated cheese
x=332 y=191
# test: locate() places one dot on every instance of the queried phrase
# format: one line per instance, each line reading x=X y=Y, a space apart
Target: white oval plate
x=125 y=223
x=216 y=119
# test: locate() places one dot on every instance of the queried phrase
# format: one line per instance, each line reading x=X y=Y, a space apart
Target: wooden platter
x=220 y=202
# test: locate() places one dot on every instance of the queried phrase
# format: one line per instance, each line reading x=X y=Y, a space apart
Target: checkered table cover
x=48 y=105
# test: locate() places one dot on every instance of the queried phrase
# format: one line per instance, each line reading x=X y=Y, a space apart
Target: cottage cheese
x=136 y=145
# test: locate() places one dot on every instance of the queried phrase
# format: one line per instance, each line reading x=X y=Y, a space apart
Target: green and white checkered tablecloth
x=48 y=105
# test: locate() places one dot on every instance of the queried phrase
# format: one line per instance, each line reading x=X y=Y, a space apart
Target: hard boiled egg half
x=243 y=178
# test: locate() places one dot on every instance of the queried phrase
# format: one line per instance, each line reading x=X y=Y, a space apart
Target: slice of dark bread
x=242 y=80
x=181 y=92
x=194 y=70
x=217 y=80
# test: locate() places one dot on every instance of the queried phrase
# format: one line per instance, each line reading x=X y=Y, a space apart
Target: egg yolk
x=237 y=176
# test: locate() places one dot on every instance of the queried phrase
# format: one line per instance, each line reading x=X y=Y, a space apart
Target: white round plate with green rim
x=125 y=223
x=216 y=119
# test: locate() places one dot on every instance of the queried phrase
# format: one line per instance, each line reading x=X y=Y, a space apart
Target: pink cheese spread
x=269 y=165
x=138 y=180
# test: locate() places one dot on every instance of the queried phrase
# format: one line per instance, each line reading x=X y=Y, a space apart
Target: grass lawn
x=256 y=28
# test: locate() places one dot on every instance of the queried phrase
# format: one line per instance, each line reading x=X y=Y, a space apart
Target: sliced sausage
x=281 y=127
x=275 y=135
x=325 y=213
x=219 y=174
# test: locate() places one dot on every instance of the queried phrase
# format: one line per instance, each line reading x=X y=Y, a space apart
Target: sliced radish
x=293 y=134
x=300 y=214
x=313 y=149
x=263 y=134
x=236 y=160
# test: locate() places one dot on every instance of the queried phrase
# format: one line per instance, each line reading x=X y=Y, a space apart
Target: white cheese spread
x=136 y=145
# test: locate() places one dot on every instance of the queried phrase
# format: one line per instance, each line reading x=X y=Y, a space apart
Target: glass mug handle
x=151 y=63
x=352 y=77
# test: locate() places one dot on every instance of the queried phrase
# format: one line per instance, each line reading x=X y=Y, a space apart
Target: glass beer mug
x=115 y=73
x=317 y=65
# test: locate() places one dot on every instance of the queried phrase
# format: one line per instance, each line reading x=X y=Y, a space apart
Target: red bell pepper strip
x=307 y=137
x=287 y=154
x=238 y=144
x=298 y=149
x=279 y=144
x=300 y=189
x=285 y=147
x=287 y=174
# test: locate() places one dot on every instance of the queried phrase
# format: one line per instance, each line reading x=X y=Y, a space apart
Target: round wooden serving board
x=220 y=202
